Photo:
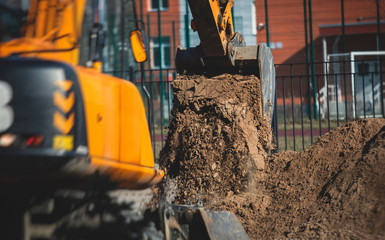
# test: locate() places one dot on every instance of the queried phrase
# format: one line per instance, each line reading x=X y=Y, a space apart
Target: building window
x=166 y=59
x=155 y=4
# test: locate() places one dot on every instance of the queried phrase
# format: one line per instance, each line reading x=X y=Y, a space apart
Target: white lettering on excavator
x=6 y=112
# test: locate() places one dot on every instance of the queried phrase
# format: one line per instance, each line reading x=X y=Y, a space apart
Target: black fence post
x=300 y=93
x=292 y=103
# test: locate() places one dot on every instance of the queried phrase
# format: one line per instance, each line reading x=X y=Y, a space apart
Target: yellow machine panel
x=91 y=122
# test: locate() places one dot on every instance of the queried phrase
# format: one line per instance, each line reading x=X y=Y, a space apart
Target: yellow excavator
x=70 y=133
x=59 y=112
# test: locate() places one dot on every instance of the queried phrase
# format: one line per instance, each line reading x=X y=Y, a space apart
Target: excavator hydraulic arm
x=221 y=50
x=214 y=26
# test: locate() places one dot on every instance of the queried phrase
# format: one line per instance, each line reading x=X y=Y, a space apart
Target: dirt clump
x=217 y=134
x=333 y=190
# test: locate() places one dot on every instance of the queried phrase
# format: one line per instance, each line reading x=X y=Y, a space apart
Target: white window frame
x=152 y=9
x=253 y=19
x=156 y=45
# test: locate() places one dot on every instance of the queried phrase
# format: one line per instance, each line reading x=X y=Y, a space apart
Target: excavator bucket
x=222 y=225
x=221 y=50
x=197 y=223
x=246 y=60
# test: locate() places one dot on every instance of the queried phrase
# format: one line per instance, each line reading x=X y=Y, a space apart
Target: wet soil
x=216 y=152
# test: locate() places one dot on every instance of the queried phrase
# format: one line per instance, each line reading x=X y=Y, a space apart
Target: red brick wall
x=167 y=17
x=286 y=23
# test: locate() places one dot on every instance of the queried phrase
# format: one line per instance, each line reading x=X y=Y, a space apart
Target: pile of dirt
x=216 y=152
x=334 y=189
x=216 y=136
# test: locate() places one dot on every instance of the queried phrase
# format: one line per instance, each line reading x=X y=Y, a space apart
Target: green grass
x=301 y=144
x=298 y=143
x=159 y=130
x=158 y=148
x=306 y=124
x=281 y=126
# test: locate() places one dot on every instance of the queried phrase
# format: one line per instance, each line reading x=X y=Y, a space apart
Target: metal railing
x=157 y=83
x=341 y=95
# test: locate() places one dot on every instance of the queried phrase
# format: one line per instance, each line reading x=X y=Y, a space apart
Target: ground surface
x=333 y=190
x=215 y=152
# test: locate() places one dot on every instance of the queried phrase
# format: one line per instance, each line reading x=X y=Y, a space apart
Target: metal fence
x=307 y=104
x=155 y=88
x=311 y=104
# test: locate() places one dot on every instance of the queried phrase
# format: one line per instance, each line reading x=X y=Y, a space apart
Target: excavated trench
x=216 y=152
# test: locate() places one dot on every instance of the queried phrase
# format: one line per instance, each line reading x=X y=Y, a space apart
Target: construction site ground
x=216 y=152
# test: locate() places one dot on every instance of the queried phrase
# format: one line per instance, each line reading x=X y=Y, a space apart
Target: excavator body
x=70 y=134
x=62 y=120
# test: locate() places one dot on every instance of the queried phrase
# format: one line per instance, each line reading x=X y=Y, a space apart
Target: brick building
x=334 y=87
x=170 y=25
x=173 y=24
x=287 y=27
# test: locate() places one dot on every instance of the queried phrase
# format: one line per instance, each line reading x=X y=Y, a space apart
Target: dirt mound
x=215 y=152
x=216 y=136
x=335 y=189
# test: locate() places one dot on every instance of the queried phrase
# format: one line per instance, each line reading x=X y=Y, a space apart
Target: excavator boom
x=214 y=24
x=221 y=50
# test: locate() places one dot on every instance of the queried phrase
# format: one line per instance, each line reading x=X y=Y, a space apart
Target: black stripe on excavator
x=32 y=84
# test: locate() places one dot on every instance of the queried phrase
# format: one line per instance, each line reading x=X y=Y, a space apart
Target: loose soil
x=218 y=133
x=215 y=152
x=333 y=190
